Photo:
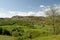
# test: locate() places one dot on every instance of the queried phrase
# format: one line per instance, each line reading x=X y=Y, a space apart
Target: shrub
x=32 y=34
x=15 y=33
x=30 y=25
x=6 y=32
x=0 y=30
x=21 y=38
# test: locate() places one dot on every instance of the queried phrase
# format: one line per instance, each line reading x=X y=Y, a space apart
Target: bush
x=21 y=38
x=0 y=30
x=30 y=25
x=15 y=33
x=6 y=32
x=32 y=34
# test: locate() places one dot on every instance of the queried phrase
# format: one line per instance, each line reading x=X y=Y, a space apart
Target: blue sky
x=25 y=5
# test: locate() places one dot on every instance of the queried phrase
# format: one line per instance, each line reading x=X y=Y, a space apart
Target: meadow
x=30 y=28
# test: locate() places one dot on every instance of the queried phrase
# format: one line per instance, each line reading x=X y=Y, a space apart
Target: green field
x=41 y=32
x=52 y=37
x=30 y=28
x=4 y=37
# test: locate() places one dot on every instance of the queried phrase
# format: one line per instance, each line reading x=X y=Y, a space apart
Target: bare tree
x=53 y=12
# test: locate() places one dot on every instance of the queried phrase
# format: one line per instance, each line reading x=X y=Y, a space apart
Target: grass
x=51 y=37
x=44 y=29
x=4 y=37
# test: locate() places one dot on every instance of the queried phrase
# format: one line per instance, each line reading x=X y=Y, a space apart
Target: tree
x=52 y=14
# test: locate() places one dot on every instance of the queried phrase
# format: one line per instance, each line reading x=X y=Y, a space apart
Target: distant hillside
x=25 y=19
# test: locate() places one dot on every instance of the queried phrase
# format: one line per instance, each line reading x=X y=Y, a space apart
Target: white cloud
x=42 y=6
x=5 y=13
x=39 y=13
x=13 y=13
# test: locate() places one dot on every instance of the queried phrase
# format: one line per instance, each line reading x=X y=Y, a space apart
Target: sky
x=9 y=8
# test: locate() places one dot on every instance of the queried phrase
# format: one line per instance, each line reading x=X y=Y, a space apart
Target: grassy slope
x=53 y=37
x=3 y=37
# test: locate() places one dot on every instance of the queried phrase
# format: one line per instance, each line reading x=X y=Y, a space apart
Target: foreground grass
x=44 y=29
x=52 y=37
x=3 y=37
